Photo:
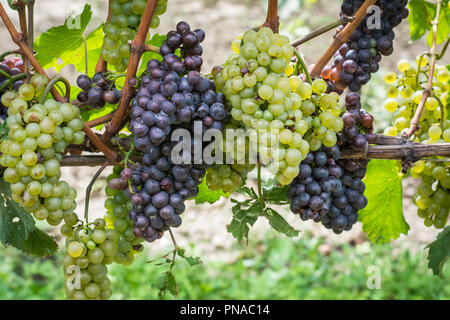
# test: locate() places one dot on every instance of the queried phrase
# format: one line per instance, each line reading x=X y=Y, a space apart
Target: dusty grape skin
x=326 y=191
x=173 y=95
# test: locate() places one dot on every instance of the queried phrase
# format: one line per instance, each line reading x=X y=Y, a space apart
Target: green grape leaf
x=207 y=195
x=420 y=13
x=439 y=252
x=40 y=244
x=443 y=29
x=67 y=43
x=17 y=228
x=12 y=4
x=249 y=192
x=15 y=223
x=171 y=284
x=4 y=129
x=383 y=218
x=156 y=41
x=192 y=261
x=279 y=223
x=276 y=194
x=94 y=43
x=245 y=215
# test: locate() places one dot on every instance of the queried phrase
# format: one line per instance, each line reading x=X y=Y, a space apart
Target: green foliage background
x=274 y=268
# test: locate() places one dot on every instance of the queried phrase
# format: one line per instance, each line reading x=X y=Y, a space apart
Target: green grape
x=75 y=249
x=432 y=193
x=90 y=258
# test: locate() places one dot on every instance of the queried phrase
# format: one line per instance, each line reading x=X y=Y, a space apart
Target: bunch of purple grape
x=97 y=91
x=359 y=57
x=10 y=66
x=188 y=42
x=358 y=123
x=168 y=96
x=328 y=190
x=159 y=189
x=173 y=95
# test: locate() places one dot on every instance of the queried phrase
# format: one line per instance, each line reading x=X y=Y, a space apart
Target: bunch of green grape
x=124 y=20
x=405 y=93
x=404 y=96
x=89 y=249
x=118 y=206
x=38 y=134
x=227 y=178
x=232 y=172
x=432 y=197
x=290 y=117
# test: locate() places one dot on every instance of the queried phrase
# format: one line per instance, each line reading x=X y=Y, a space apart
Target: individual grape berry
x=98 y=90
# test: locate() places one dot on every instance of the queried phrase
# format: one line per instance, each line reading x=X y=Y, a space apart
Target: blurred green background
x=272 y=268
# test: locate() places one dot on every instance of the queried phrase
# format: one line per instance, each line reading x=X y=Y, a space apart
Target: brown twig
x=109 y=154
x=23 y=28
x=100 y=120
x=137 y=48
x=83 y=161
x=341 y=38
x=102 y=65
x=26 y=52
x=272 y=19
x=321 y=31
x=414 y=125
x=405 y=151
x=30 y=12
x=151 y=48
x=398 y=150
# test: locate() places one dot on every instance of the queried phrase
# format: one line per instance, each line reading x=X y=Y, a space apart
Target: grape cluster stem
x=50 y=85
x=427 y=90
x=322 y=30
x=12 y=79
x=272 y=19
x=302 y=62
x=89 y=188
